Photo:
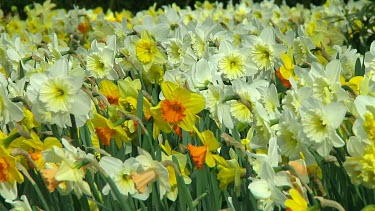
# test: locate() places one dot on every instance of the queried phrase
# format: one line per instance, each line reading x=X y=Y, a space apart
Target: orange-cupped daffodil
x=179 y=107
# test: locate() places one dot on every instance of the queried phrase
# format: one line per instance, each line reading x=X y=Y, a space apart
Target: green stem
x=33 y=183
x=73 y=130
x=55 y=131
x=95 y=191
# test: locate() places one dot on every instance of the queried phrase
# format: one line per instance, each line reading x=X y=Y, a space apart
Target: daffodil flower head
x=100 y=61
x=8 y=170
x=361 y=169
x=151 y=170
x=58 y=94
x=178 y=108
x=233 y=65
x=287 y=69
x=263 y=51
x=147 y=51
x=319 y=123
x=121 y=173
x=106 y=130
x=110 y=90
x=354 y=83
x=229 y=171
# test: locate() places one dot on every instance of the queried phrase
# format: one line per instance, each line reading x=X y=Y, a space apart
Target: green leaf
x=359 y=69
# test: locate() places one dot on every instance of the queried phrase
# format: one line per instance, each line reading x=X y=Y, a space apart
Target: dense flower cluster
x=257 y=95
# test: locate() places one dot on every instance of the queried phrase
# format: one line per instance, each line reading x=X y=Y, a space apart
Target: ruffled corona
x=172 y=111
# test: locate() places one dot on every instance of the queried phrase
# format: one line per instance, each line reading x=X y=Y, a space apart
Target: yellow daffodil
x=203 y=154
x=105 y=130
x=287 y=69
x=110 y=91
x=129 y=90
x=147 y=51
x=178 y=108
x=229 y=171
x=8 y=170
x=297 y=202
x=34 y=146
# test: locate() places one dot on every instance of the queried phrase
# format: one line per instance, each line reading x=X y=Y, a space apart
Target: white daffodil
x=16 y=50
x=290 y=139
x=219 y=108
x=364 y=126
x=56 y=47
x=68 y=175
x=22 y=204
x=325 y=81
x=262 y=124
x=202 y=73
x=270 y=101
x=151 y=170
x=263 y=51
x=55 y=95
x=100 y=60
x=9 y=111
x=265 y=186
x=319 y=123
x=294 y=97
x=249 y=93
x=348 y=58
x=175 y=51
x=232 y=61
x=121 y=172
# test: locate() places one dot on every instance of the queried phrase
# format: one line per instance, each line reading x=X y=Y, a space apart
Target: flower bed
x=249 y=106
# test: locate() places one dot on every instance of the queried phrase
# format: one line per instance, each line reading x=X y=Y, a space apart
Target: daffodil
x=121 y=172
x=263 y=55
x=233 y=65
x=319 y=123
x=152 y=170
x=360 y=167
x=287 y=69
x=8 y=170
x=178 y=108
x=202 y=154
x=129 y=90
x=110 y=90
x=55 y=95
x=106 y=130
x=229 y=171
x=354 y=83
x=148 y=52
x=181 y=158
x=32 y=144
x=100 y=61
x=62 y=169
x=297 y=202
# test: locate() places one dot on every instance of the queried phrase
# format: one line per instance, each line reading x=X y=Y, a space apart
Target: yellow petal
x=195 y=104
x=167 y=88
x=188 y=122
x=210 y=161
x=210 y=141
